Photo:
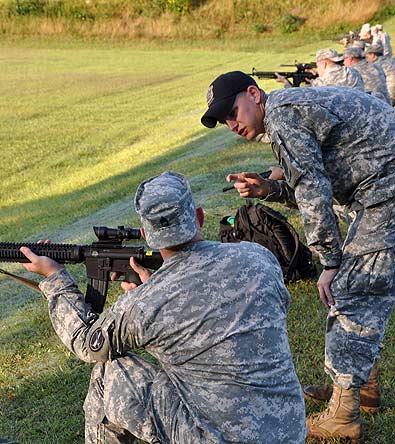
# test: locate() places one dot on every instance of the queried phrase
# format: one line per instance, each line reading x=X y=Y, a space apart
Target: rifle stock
x=102 y=258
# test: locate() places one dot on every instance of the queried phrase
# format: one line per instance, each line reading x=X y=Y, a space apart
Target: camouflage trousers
x=364 y=293
x=131 y=398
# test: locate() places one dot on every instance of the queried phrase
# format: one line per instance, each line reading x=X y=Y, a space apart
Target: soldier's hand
x=276 y=173
x=282 y=79
x=143 y=273
x=324 y=286
x=40 y=264
x=250 y=184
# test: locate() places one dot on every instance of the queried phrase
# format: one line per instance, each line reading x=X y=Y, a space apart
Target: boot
x=340 y=420
x=370 y=393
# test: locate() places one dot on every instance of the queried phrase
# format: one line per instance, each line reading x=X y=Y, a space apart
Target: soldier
x=372 y=74
x=329 y=148
x=214 y=316
x=374 y=54
x=379 y=36
x=331 y=72
x=365 y=33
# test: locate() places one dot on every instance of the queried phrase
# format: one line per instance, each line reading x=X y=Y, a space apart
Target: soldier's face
x=247 y=114
x=348 y=61
x=370 y=57
x=321 y=68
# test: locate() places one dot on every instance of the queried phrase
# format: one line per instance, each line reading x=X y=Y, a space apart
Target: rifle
x=103 y=257
x=347 y=39
x=299 y=76
x=302 y=66
x=265 y=175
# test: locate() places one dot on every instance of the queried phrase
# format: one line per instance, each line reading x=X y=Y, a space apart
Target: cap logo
x=210 y=95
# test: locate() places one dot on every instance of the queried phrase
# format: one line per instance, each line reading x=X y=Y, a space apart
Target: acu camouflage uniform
x=340 y=76
x=340 y=143
x=214 y=316
x=374 y=79
x=388 y=65
x=385 y=41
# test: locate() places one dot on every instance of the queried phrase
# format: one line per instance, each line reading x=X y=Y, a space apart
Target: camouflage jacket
x=384 y=38
x=388 y=65
x=340 y=76
x=333 y=143
x=214 y=315
x=373 y=77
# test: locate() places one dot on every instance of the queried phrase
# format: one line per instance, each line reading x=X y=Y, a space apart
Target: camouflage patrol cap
x=167 y=210
x=358 y=44
x=354 y=51
x=328 y=54
x=365 y=29
x=377 y=48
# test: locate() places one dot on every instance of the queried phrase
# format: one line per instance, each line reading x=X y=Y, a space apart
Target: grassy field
x=82 y=125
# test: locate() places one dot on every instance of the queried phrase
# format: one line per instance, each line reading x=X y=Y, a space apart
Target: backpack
x=263 y=225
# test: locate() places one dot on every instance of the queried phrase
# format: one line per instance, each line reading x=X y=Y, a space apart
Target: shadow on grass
x=29 y=217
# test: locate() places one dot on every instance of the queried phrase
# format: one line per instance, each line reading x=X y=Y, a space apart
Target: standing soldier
x=329 y=148
x=374 y=54
x=372 y=74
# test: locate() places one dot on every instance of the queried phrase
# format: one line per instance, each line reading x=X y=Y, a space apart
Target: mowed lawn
x=82 y=125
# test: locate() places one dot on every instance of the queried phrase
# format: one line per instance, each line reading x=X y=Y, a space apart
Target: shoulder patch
x=97 y=340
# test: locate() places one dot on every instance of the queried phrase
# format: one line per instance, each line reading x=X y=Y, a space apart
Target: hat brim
x=337 y=59
x=218 y=111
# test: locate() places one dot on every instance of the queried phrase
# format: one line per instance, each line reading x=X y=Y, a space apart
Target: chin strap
x=27 y=282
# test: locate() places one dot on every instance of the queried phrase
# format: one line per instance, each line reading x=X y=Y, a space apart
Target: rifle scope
x=121 y=233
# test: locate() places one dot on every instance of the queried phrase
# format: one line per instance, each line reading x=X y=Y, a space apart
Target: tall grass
x=175 y=19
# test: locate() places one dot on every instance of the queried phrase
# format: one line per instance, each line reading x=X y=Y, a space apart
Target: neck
x=168 y=252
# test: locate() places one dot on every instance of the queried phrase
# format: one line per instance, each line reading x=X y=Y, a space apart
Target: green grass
x=82 y=124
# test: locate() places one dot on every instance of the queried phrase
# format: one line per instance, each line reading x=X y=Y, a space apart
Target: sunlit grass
x=82 y=125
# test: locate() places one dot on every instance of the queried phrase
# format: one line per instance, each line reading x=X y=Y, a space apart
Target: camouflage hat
x=358 y=44
x=354 y=51
x=328 y=54
x=167 y=210
x=364 y=29
x=377 y=48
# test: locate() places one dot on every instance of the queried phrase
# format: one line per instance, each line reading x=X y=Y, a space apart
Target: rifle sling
x=27 y=282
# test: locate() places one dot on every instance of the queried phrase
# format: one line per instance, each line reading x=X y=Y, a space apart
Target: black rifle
x=265 y=175
x=302 y=66
x=347 y=39
x=103 y=257
x=299 y=76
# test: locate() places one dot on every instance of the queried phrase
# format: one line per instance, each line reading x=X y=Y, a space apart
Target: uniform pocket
x=368 y=274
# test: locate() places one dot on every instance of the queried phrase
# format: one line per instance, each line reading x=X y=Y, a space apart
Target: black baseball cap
x=221 y=95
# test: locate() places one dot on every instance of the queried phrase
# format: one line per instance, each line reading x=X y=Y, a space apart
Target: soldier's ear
x=255 y=92
x=142 y=233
